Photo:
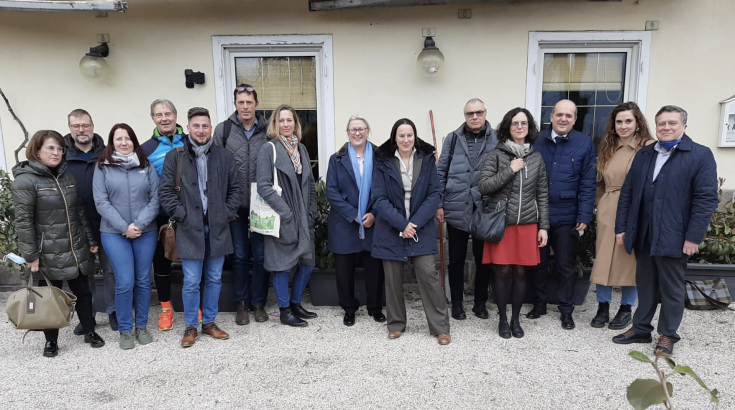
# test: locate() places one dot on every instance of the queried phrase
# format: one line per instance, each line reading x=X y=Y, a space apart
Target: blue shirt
x=661 y=159
x=249 y=133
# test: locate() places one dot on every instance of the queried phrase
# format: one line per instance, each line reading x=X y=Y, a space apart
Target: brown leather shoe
x=260 y=314
x=665 y=346
x=394 y=335
x=190 y=336
x=211 y=329
x=444 y=339
x=243 y=316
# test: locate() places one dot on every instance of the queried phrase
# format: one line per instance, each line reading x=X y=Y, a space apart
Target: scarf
x=669 y=145
x=520 y=151
x=201 y=151
x=364 y=181
x=127 y=161
x=292 y=147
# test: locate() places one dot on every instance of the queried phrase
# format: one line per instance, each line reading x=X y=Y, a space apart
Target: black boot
x=51 y=349
x=603 y=315
x=300 y=312
x=458 y=311
x=516 y=329
x=288 y=318
x=503 y=328
x=622 y=318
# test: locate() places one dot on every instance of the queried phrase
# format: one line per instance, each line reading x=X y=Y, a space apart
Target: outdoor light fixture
x=93 y=65
x=430 y=60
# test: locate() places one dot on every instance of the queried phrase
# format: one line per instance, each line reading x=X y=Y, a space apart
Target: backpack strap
x=179 y=167
x=226 y=132
x=451 y=155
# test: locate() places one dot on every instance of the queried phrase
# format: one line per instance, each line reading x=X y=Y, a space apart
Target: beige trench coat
x=613 y=266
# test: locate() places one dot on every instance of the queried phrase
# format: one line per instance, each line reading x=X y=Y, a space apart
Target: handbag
x=167 y=233
x=707 y=294
x=490 y=227
x=263 y=218
x=40 y=307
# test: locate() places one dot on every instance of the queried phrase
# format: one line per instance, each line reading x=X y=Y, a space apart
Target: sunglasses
x=242 y=89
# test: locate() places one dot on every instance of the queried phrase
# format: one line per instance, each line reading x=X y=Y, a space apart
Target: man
x=460 y=163
x=167 y=136
x=83 y=147
x=570 y=160
x=665 y=205
x=207 y=201
x=243 y=134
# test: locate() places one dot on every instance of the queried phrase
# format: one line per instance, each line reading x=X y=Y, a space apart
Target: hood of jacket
x=72 y=152
x=386 y=152
x=37 y=168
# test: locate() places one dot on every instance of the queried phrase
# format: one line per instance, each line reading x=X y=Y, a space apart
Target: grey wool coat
x=224 y=190
x=296 y=206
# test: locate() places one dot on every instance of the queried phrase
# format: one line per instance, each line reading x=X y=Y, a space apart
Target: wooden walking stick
x=441 y=224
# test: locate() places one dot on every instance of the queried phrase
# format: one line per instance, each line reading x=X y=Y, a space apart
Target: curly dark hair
x=504 y=126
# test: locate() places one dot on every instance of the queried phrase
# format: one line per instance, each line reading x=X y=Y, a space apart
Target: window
x=596 y=70
x=289 y=69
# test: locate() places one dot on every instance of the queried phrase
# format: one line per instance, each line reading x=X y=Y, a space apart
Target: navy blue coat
x=83 y=172
x=388 y=200
x=686 y=197
x=570 y=169
x=343 y=194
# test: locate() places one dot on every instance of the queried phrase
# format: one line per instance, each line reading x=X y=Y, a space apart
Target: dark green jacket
x=50 y=223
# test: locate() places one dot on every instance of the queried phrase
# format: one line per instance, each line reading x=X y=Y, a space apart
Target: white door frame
x=320 y=46
x=541 y=41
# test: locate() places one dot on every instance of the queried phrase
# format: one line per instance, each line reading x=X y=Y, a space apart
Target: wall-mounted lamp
x=93 y=65
x=430 y=60
x=193 y=77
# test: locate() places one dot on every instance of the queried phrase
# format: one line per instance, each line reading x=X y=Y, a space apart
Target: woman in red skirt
x=514 y=175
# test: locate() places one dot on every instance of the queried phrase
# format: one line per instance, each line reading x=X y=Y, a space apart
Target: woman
x=296 y=205
x=351 y=221
x=405 y=194
x=626 y=133
x=53 y=233
x=514 y=174
x=126 y=195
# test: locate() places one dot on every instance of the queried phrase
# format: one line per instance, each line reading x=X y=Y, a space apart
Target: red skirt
x=519 y=246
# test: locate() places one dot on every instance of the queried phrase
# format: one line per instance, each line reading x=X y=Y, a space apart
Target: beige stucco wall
x=374 y=59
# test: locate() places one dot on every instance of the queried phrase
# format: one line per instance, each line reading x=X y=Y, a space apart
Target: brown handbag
x=167 y=233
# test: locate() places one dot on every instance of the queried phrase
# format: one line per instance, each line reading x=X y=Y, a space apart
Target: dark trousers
x=457 y=239
x=659 y=279
x=79 y=286
x=162 y=269
x=344 y=265
x=563 y=240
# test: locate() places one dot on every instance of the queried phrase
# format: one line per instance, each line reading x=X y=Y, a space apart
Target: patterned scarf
x=292 y=147
x=127 y=161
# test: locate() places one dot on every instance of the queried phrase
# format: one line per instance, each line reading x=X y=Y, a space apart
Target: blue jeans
x=250 y=290
x=300 y=279
x=131 y=261
x=212 y=285
x=630 y=294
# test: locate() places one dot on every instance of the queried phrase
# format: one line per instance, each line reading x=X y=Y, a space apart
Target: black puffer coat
x=50 y=221
x=528 y=188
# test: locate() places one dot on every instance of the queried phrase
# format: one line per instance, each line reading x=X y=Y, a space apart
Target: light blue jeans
x=300 y=279
x=131 y=261
x=630 y=294
x=212 y=285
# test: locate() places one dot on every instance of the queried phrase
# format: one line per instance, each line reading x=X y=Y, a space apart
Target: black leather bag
x=489 y=227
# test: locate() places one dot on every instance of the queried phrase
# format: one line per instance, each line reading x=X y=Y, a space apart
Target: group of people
x=76 y=196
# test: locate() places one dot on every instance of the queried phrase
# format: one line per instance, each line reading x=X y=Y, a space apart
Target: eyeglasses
x=475 y=113
x=51 y=149
x=357 y=130
x=78 y=126
x=242 y=89
x=160 y=115
x=519 y=124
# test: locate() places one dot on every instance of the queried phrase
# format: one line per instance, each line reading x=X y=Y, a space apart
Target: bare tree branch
x=15 y=117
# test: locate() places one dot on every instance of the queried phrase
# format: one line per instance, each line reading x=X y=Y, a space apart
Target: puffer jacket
x=460 y=181
x=244 y=150
x=50 y=221
x=527 y=190
x=125 y=196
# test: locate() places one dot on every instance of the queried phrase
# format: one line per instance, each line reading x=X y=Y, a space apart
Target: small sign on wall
x=727 y=123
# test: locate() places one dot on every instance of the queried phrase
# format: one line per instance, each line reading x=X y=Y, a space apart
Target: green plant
x=643 y=393
x=324 y=258
x=719 y=241
x=8 y=236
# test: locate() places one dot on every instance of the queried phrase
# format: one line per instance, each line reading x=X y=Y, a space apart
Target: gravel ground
x=327 y=365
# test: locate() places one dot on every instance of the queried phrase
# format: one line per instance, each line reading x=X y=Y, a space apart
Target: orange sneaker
x=200 y=316
x=166 y=319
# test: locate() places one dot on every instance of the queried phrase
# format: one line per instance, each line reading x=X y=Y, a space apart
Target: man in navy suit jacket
x=570 y=160
x=665 y=205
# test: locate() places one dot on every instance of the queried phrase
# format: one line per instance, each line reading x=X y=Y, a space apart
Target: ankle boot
x=288 y=318
x=300 y=312
x=603 y=315
x=622 y=319
x=515 y=328
x=458 y=311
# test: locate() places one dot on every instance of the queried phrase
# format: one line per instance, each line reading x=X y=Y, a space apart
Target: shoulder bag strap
x=714 y=302
x=451 y=155
x=179 y=167
x=226 y=132
x=275 y=171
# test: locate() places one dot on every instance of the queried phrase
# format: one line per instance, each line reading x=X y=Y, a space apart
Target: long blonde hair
x=273 y=122
x=609 y=142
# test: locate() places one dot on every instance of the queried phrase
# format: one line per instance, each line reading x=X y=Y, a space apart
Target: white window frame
x=226 y=48
x=637 y=44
